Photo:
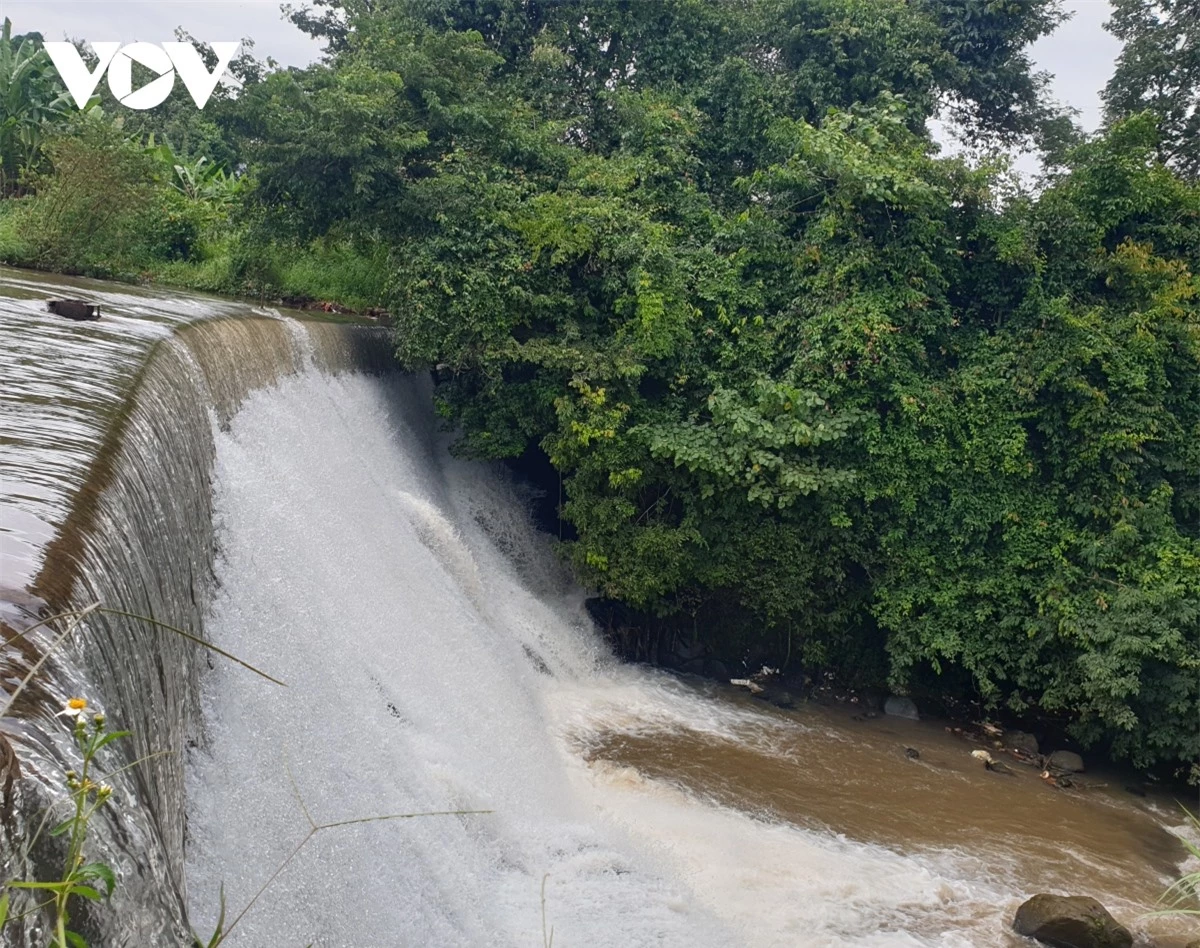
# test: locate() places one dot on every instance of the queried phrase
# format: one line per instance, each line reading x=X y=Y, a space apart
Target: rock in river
x=1020 y=741
x=1070 y=921
x=901 y=708
x=1069 y=761
x=74 y=309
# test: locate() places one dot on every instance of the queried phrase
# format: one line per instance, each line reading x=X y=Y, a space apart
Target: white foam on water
x=436 y=660
x=344 y=571
x=783 y=886
x=302 y=343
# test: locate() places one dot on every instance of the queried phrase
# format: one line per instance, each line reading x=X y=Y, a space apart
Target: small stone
x=1066 y=760
x=912 y=753
x=1070 y=921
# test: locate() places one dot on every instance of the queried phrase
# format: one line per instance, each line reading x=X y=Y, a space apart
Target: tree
x=1159 y=70
x=805 y=385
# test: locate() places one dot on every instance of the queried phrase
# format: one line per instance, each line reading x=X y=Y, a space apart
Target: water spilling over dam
x=268 y=485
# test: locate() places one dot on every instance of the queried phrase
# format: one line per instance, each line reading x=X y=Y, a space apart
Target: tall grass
x=328 y=269
x=1183 y=898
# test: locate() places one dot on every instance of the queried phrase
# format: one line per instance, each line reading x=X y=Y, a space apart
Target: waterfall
x=365 y=568
x=108 y=460
x=279 y=489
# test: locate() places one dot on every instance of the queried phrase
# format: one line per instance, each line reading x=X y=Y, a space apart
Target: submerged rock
x=694 y=666
x=901 y=708
x=1065 y=760
x=991 y=763
x=780 y=697
x=1070 y=921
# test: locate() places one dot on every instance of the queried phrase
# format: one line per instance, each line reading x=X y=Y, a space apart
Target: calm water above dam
x=437 y=658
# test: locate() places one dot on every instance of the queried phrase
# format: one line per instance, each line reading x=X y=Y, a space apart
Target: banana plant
x=33 y=105
x=201 y=179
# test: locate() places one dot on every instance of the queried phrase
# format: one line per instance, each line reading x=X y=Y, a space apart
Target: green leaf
x=109 y=738
x=86 y=891
x=218 y=934
x=63 y=827
x=98 y=870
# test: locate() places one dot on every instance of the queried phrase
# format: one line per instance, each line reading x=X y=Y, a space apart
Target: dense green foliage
x=1159 y=71
x=875 y=409
x=33 y=106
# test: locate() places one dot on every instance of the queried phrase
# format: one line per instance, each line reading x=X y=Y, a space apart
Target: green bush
x=333 y=269
x=105 y=207
x=13 y=247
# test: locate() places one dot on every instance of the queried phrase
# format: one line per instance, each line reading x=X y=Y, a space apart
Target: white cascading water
x=435 y=659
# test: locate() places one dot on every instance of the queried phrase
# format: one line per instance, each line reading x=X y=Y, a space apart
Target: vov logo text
x=166 y=60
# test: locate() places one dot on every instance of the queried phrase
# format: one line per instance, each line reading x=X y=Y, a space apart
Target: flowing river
x=260 y=481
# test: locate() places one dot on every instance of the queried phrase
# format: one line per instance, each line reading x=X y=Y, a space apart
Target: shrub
x=105 y=208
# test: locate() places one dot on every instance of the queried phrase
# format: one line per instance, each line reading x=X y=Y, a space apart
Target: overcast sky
x=1080 y=54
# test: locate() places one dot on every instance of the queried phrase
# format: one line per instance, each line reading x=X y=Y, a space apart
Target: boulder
x=1070 y=921
x=693 y=667
x=715 y=669
x=1022 y=742
x=901 y=708
x=1069 y=761
x=689 y=650
x=780 y=697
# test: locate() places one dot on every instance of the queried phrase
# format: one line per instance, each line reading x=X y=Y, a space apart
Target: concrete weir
x=106 y=453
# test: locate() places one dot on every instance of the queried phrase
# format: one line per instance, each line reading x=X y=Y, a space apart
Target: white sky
x=1080 y=54
x=154 y=21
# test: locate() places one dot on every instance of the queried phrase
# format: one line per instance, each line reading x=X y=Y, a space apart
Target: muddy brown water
x=830 y=772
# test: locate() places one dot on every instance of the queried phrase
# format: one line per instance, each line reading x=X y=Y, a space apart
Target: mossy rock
x=1070 y=921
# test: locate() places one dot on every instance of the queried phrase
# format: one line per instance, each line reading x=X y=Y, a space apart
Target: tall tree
x=800 y=378
x=1159 y=71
